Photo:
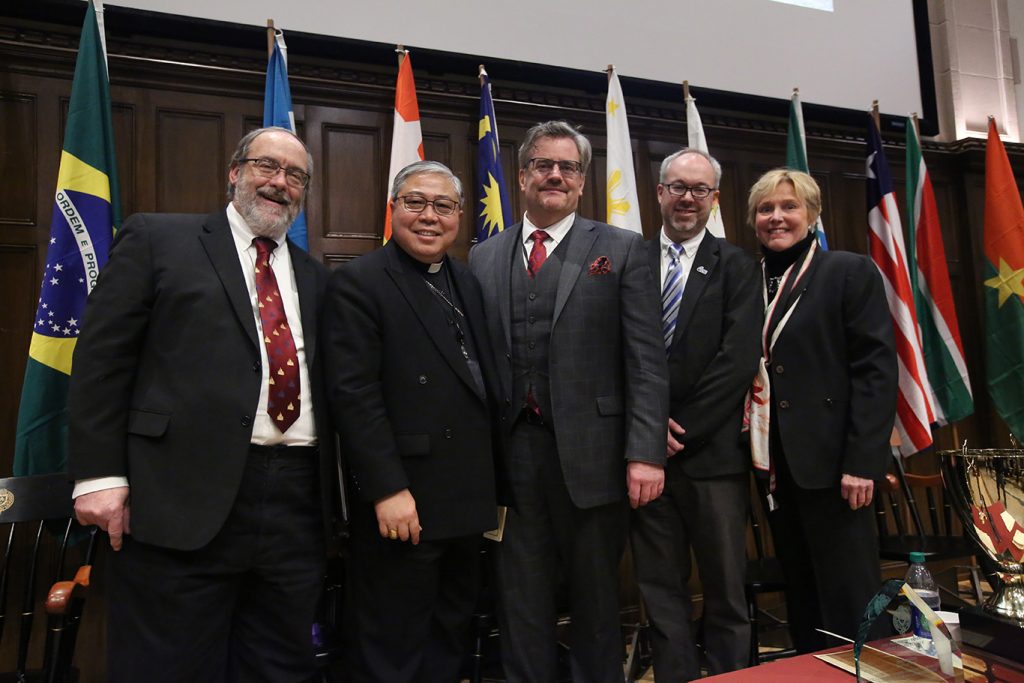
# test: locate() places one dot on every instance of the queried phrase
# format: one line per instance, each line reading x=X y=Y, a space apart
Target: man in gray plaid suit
x=574 y=316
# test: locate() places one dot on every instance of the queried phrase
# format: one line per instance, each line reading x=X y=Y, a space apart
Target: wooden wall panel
x=19 y=165
x=351 y=194
x=190 y=161
x=19 y=278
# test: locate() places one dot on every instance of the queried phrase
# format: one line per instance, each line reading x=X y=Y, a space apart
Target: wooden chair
x=42 y=506
x=764 y=575
x=902 y=529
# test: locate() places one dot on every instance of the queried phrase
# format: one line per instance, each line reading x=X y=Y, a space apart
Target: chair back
x=36 y=525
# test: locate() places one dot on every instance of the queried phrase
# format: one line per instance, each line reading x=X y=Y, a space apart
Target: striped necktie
x=671 y=294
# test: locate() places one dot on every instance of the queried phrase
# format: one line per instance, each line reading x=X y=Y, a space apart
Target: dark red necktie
x=538 y=254
x=283 y=392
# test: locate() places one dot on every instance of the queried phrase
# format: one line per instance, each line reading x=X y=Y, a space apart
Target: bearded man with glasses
x=573 y=318
x=197 y=391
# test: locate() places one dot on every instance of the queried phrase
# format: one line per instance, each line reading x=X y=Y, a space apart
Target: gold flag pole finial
x=402 y=52
x=686 y=90
x=481 y=74
x=610 y=70
x=875 y=116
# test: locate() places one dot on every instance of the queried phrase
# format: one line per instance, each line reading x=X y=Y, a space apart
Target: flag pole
x=271 y=37
x=686 y=90
x=875 y=116
x=481 y=75
x=610 y=70
x=402 y=52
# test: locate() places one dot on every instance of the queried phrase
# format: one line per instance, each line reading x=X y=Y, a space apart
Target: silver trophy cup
x=986 y=488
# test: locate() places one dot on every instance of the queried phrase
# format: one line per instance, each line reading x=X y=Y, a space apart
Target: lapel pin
x=702 y=270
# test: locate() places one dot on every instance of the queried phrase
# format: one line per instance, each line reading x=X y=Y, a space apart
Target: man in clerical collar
x=412 y=389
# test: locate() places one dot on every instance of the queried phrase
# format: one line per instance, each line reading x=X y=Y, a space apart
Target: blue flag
x=277 y=111
x=86 y=211
x=496 y=213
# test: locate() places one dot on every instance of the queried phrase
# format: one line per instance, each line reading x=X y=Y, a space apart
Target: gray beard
x=263 y=223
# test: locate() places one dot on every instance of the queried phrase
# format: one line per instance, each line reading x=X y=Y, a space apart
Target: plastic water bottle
x=920 y=579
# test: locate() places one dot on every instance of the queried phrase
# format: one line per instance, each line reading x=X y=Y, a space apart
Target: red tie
x=283 y=392
x=538 y=254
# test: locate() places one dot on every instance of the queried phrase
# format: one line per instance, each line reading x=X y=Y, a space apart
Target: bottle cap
x=916 y=557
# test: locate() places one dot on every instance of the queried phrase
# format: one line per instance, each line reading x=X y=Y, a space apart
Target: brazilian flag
x=494 y=214
x=86 y=212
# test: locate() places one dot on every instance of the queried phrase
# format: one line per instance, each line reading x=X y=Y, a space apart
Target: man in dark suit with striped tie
x=711 y=316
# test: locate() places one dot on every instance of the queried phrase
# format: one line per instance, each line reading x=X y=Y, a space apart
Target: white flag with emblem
x=623 y=205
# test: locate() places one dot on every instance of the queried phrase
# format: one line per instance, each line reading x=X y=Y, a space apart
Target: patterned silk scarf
x=778 y=311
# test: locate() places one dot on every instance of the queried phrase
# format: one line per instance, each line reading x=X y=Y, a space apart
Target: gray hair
x=715 y=166
x=242 y=152
x=555 y=129
x=426 y=168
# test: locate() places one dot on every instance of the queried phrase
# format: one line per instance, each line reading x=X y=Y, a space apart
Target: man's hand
x=107 y=509
x=397 y=513
x=856 y=491
x=675 y=432
x=644 y=482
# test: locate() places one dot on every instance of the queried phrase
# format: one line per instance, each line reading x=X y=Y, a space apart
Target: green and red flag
x=1004 y=285
x=933 y=296
x=86 y=211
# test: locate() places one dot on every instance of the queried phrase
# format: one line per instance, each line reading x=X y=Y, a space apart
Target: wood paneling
x=19 y=156
x=190 y=161
x=19 y=278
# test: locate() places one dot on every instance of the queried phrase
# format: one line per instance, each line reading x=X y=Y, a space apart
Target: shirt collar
x=556 y=231
x=240 y=230
x=689 y=246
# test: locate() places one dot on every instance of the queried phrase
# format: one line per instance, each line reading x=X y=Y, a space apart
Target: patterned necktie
x=283 y=390
x=538 y=254
x=671 y=294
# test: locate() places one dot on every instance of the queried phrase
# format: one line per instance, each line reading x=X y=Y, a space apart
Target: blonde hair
x=804 y=187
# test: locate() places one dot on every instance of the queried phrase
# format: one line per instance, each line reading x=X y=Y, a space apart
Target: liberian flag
x=407 y=137
x=914 y=413
x=933 y=295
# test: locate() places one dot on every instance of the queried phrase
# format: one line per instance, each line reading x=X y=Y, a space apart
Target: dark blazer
x=714 y=355
x=834 y=375
x=167 y=375
x=405 y=404
x=607 y=367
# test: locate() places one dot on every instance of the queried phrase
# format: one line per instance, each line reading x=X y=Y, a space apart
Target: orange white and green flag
x=407 y=136
x=1003 y=282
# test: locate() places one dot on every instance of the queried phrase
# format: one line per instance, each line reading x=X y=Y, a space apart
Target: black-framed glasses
x=697 y=192
x=415 y=203
x=568 y=169
x=268 y=168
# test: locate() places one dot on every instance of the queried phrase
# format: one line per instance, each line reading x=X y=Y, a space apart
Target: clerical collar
x=421 y=268
x=435 y=267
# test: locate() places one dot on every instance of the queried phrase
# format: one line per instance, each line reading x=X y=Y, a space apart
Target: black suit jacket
x=405 y=404
x=167 y=375
x=714 y=355
x=834 y=375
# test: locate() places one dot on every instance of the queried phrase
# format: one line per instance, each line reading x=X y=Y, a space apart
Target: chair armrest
x=60 y=595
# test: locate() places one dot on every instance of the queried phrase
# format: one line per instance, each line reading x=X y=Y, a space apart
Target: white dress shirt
x=685 y=259
x=556 y=233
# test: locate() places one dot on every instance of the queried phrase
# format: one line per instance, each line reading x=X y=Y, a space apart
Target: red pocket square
x=600 y=266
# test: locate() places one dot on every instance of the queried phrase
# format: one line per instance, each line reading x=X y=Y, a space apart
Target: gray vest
x=532 y=312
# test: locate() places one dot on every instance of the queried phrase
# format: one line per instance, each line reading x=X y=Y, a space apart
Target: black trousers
x=409 y=606
x=239 y=609
x=829 y=555
x=547 y=537
x=708 y=516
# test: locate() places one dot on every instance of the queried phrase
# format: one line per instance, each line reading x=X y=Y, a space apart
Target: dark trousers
x=239 y=609
x=829 y=555
x=709 y=516
x=409 y=606
x=547 y=537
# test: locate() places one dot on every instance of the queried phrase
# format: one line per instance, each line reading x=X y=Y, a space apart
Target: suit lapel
x=305 y=280
x=654 y=258
x=704 y=262
x=220 y=248
x=415 y=291
x=584 y=235
x=506 y=256
x=469 y=294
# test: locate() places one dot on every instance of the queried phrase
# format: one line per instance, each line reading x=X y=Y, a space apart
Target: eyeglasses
x=698 y=192
x=568 y=169
x=268 y=168
x=414 y=203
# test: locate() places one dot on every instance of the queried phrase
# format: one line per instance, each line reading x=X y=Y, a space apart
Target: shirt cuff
x=84 y=486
